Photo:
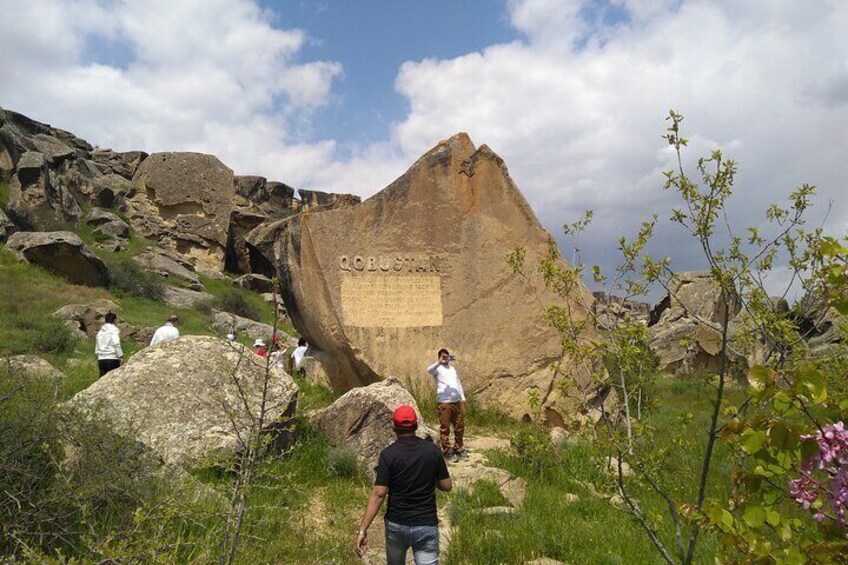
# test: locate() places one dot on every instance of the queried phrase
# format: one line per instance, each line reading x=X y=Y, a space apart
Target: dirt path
x=464 y=474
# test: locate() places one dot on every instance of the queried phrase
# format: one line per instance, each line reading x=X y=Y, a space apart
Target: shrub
x=342 y=462
x=235 y=303
x=128 y=277
x=40 y=335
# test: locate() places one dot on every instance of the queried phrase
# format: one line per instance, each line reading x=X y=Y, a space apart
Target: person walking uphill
x=167 y=332
x=108 y=345
x=409 y=471
x=451 y=404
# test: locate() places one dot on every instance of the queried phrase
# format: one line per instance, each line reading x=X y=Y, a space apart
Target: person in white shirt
x=167 y=332
x=296 y=357
x=452 y=405
x=108 y=345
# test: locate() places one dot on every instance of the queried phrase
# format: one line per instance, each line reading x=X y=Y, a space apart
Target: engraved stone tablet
x=375 y=301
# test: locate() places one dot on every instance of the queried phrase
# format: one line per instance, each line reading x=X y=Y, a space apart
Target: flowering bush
x=824 y=475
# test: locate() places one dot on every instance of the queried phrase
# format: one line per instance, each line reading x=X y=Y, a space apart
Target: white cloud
x=207 y=75
x=575 y=107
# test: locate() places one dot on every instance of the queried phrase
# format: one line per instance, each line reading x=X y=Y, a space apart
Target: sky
x=344 y=96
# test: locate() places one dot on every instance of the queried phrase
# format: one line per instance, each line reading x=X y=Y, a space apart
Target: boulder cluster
x=190 y=204
x=685 y=326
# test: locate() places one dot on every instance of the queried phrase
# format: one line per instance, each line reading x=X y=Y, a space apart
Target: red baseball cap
x=404 y=417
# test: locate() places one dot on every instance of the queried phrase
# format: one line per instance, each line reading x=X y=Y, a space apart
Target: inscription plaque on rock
x=372 y=301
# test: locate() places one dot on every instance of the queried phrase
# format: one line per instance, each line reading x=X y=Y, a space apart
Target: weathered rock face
x=362 y=419
x=184 y=298
x=382 y=285
x=610 y=309
x=183 y=200
x=169 y=265
x=686 y=327
x=822 y=325
x=33 y=366
x=63 y=253
x=7 y=228
x=181 y=399
x=87 y=318
x=315 y=199
x=693 y=294
x=108 y=224
x=224 y=323
x=256 y=283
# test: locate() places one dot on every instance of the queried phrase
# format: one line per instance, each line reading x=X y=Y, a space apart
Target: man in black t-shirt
x=409 y=471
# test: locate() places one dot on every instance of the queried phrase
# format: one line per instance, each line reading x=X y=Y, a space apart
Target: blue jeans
x=424 y=541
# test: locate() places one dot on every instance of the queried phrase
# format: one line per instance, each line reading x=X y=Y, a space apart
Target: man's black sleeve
x=441 y=467
x=383 y=474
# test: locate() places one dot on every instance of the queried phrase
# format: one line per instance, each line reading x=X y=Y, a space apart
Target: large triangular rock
x=382 y=285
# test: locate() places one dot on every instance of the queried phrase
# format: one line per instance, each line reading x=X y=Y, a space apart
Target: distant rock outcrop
x=169 y=265
x=191 y=399
x=610 y=309
x=686 y=326
x=62 y=253
x=7 y=228
x=87 y=319
x=382 y=285
x=183 y=201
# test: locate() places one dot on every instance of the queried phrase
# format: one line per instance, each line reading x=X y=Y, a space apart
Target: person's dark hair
x=110 y=317
x=301 y=342
x=405 y=431
x=443 y=350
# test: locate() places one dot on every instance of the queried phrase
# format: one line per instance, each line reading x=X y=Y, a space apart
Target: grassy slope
x=589 y=531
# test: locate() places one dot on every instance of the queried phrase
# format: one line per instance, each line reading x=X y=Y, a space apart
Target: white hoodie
x=108 y=342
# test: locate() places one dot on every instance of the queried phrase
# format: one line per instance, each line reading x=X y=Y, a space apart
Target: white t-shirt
x=108 y=342
x=448 y=387
x=298 y=354
x=165 y=333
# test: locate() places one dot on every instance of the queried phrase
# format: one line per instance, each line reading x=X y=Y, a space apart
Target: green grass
x=591 y=530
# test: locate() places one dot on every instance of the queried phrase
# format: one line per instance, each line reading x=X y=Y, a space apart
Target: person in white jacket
x=167 y=332
x=108 y=345
x=451 y=403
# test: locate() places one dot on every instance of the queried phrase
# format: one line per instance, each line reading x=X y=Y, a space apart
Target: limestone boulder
x=264 y=246
x=686 y=347
x=694 y=295
x=382 y=285
x=313 y=367
x=192 y=399
x=34 y=190
x=686 y=325
x=88 y=318
x=7 y=228
x=609 y=310
x=315 y=199
x=62 y=253
x=243 y=220
x=108 y=224
x=224 y=323
x=822 y=326
x=169 y=265
x=33 y=366
x=362 y=419
x=255 y=282
x=184 y=298
x=183 y=201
